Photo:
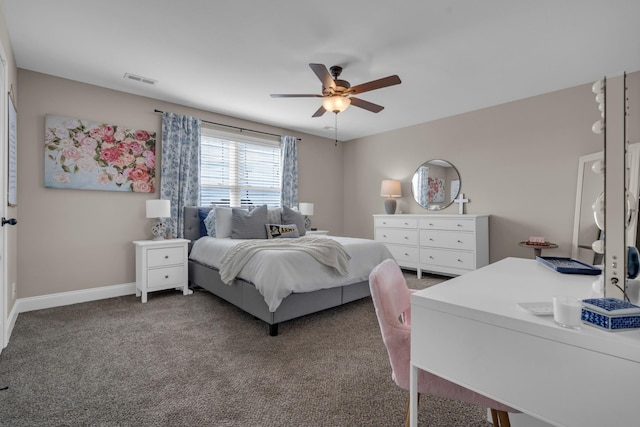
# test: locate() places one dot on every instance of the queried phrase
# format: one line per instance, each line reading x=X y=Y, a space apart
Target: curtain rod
x=236 y=127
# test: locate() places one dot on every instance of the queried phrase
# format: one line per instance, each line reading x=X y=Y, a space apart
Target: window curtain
x=289 y=191
x=423 y=185
x=180 y=179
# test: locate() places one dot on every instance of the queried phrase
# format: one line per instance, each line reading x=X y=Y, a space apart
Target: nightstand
x=317 y=232
x=161 y=264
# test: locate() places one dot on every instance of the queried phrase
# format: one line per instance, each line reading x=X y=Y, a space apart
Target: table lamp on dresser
x=390 y=188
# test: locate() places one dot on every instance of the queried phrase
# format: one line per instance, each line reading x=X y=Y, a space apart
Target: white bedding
x=278 y=273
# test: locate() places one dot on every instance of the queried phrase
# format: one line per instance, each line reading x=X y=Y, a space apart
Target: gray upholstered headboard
x=192 y=222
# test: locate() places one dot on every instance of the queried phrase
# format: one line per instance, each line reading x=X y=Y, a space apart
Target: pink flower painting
x=85 y=155
x=436 y=190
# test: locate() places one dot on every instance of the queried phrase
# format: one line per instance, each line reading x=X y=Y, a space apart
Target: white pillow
x=274 y=215
x=223 y=222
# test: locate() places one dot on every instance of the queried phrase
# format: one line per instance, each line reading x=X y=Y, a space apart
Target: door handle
x=10 y=221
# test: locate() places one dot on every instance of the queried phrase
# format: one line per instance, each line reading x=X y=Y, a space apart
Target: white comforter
x=278 y=273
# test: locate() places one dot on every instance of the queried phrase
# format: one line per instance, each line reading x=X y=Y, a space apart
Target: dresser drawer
x=397 y=235
x=162 y=277
x=460 y=224
x=405 y=255
x=165 y=256
x=396 y=222
x=446 y=258
x=447 y=239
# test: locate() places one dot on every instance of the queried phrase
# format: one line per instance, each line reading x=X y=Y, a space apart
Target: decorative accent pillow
x=289 y=216
x=210 y=223
x=281 y=231
x=249 y=225
x=202 y=213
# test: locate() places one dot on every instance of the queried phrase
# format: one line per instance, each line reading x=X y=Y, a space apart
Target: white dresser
x=443 y=244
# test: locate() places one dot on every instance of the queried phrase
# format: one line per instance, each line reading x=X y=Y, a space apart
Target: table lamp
x=306 y=209
x=390 y=188
x=159 y=209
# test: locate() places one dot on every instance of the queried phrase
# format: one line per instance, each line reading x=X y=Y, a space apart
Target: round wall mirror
x=435 y=184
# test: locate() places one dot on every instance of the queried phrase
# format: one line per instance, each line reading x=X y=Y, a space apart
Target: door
x=4 y=339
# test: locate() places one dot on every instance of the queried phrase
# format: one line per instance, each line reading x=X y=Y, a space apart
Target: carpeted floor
x=198 y=361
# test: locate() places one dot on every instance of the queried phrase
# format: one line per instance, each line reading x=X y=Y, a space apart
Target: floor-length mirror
x=589 y=186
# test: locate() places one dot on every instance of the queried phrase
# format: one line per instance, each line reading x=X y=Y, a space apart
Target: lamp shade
x=336 y=103
x=390 y=188
x=306 y=208
x=158 y=208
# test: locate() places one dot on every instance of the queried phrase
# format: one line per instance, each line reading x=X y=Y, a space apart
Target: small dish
x=537 y=308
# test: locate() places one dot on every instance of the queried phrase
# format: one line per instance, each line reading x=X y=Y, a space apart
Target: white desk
x=470 y=331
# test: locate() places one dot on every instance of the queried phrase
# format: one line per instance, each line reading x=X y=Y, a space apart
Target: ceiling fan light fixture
x=336 y=104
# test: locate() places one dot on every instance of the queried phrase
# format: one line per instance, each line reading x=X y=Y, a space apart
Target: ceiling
x=227 y=57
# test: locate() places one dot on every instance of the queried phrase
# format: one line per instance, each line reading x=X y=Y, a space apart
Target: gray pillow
x=289 y=216
x=249 y=225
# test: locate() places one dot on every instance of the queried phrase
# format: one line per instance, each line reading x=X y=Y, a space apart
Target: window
x=238 y=170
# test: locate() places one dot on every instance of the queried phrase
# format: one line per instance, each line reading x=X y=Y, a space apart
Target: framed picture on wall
x=12 y=166
x=87 y=155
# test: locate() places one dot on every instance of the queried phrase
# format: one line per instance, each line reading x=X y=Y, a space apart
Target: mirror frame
x=440 y=205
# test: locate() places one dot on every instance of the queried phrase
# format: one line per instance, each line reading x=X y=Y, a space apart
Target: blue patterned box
x=611 y=314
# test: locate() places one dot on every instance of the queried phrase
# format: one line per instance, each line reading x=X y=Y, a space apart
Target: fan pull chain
x=336 y=129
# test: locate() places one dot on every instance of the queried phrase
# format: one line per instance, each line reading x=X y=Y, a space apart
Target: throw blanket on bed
x=326 y=251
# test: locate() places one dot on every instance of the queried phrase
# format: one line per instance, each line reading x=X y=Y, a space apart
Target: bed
x=307 y=299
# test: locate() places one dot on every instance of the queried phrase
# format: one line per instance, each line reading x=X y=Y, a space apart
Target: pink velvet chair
x=391 y=299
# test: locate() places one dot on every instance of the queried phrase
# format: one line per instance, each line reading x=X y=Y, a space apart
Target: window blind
x=238 y=170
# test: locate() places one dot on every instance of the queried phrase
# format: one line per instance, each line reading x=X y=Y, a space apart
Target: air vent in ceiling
x=140 y=79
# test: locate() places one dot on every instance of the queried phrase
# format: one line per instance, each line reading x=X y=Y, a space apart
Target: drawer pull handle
x=460 y=241
x=459 y=260
x=384 y=235
x=430 y=239
x=406 y=223
x=459 y=225
x=430 y=225
x=166 y=257
x=406 y=238
x=167 y=276
x=430 y=257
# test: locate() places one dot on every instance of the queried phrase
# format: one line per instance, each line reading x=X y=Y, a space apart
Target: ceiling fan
x=338 y=93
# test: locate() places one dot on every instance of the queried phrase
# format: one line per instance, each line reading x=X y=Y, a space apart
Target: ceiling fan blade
x=323 y=74
x=375 y=84
x=319 y=112
x=370 y=106
x=294 y=95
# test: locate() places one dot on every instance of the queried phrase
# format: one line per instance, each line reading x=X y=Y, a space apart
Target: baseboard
x=23 y=305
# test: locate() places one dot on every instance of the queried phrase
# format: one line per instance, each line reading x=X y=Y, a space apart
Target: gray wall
x=71 y=240
x=518 y=162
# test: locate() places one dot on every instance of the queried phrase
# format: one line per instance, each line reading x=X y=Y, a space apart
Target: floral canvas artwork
x=436 y=190
x=80 y=154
